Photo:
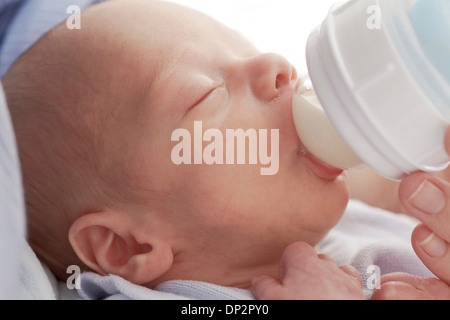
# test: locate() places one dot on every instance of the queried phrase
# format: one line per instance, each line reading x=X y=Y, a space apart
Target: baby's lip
x=320 y=168
x=323 y=170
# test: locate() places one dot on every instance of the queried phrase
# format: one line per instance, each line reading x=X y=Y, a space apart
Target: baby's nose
x=269 y=75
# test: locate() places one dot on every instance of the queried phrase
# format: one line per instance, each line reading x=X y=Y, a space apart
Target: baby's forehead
x=157 y=32
x=158 y=23
x=123 y=47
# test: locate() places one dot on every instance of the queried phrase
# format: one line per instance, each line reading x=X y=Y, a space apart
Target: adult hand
x=427 y=197
x=402 y=286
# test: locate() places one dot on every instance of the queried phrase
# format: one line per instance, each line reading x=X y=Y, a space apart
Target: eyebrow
x=163 y=71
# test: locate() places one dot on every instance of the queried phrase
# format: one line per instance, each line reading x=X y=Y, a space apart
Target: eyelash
x=217 y=93
x=203 y=98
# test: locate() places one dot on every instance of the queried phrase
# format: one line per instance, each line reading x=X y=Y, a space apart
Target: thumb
x=426 y=197
x=433 y=251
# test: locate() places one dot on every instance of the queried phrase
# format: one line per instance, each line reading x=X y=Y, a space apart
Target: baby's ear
x=105 y=242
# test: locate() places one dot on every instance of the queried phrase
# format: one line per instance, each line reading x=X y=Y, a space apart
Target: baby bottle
x=380 y=87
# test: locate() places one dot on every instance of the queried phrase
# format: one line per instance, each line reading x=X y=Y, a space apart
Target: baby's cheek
x=324 y=210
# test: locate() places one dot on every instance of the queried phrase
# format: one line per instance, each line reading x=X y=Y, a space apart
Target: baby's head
x=94 y=112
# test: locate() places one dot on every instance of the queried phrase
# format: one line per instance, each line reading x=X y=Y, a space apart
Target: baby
x=94 y=111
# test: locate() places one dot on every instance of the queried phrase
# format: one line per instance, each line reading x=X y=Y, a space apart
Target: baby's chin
x=331 y=207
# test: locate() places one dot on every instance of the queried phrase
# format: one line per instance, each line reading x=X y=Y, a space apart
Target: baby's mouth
x=321 y=169
x=318 y=134
x=318 y=167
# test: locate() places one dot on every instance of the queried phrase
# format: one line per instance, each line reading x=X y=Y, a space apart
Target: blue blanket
x=23 y=22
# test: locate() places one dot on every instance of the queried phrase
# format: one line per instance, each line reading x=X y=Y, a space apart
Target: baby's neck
x=228 y=277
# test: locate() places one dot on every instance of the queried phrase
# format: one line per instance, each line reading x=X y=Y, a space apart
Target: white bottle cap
x=373 y=81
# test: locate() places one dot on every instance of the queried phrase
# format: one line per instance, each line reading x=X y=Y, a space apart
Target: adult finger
x=433 y=251
x=427 y=197
x=397 y=290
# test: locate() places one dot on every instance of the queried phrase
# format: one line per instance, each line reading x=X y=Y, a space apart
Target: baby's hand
x=402 y=286
x=304 y=275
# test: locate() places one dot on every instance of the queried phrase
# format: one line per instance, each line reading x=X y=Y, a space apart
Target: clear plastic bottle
x=384 y=86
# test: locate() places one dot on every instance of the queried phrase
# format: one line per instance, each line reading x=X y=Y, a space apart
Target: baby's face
x=184 y=70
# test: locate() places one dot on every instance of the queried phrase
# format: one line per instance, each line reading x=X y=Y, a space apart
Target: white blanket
x=37 y=282
x=33 y=20
x=12 y=212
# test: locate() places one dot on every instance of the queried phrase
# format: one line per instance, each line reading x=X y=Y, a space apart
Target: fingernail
x=434 y=246
x=428 y=198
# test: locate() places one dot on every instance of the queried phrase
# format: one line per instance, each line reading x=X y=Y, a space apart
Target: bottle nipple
x=318 y=134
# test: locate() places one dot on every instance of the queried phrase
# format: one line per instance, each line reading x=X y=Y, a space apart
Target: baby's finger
x=294 y=258
x=324 y=257
x=433 y=251
x=353 y=273
x=428 y=199
x=265 y=287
